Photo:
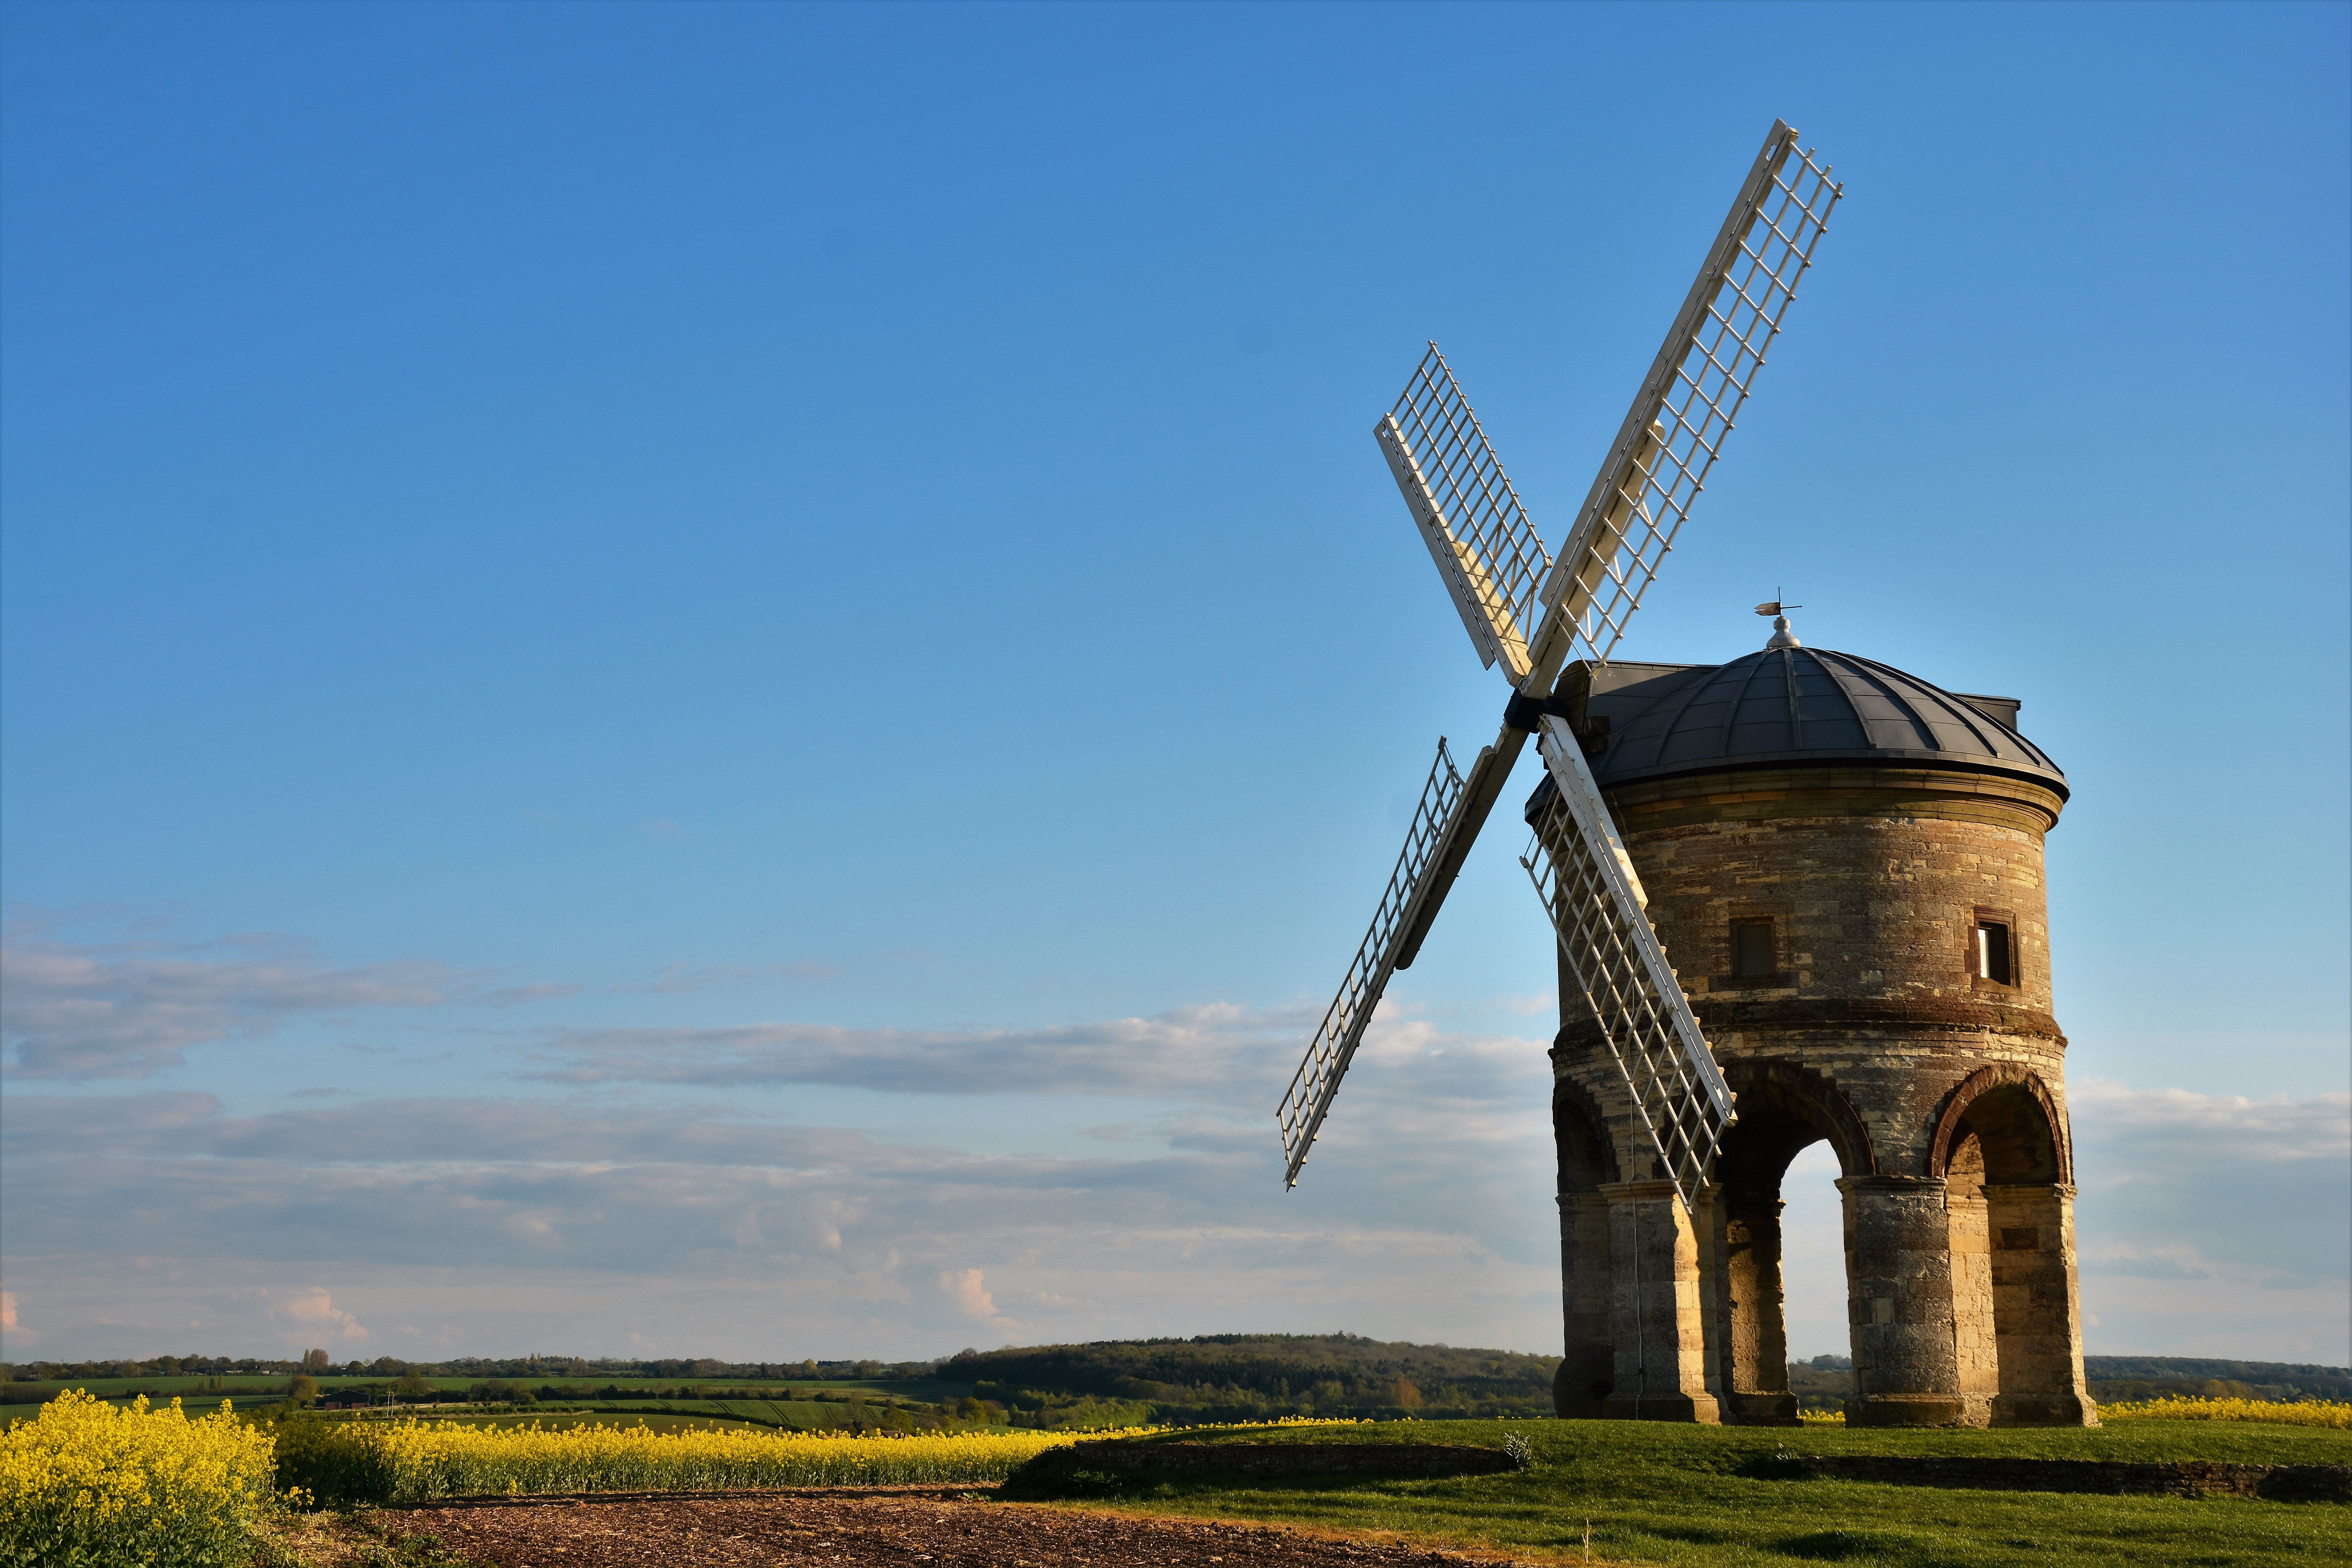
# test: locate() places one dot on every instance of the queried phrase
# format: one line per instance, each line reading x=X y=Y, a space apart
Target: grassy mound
x=1673 y=1494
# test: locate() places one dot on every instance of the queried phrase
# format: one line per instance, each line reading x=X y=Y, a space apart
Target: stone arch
x=1588 y=1158
x=1761 y=1087
x=2002 y=1152
x=2007 y=1110
x=1782 y=1107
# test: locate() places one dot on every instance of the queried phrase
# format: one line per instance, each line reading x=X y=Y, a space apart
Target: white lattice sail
x=1342 y=1029
x=1492 y=559
x=1594 y=897
x=1692 y=396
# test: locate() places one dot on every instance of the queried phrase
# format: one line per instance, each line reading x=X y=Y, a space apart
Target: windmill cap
x=1799 y=707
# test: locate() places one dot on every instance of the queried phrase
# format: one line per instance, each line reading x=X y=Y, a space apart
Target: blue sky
x=731 y=679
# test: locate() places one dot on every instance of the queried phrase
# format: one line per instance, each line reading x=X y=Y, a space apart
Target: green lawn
x=1661 y=1493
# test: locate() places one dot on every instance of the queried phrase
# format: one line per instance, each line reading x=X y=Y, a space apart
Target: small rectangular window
x=1751 y=948
x=1992 y=954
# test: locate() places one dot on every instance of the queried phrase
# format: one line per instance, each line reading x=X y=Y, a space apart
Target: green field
x=1667 y=1493
x=659 y=1403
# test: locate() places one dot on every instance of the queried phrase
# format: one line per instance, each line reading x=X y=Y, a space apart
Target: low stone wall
x=1390 y=1460
x=2188 y=1478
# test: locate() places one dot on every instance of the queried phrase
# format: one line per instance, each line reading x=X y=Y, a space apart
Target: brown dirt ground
x=850 y=1529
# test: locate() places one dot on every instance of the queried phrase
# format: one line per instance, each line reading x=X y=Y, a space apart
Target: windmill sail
x=1594 y=897
x=1342 y=1029
x=1674 y=430
x=1492 y=559
x=1501 y=578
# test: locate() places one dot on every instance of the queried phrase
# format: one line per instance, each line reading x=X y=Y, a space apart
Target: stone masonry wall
x=1873 y=884
x=1874 y=881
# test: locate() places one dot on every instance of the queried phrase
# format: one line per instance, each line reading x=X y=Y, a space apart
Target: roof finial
x=1782 y=636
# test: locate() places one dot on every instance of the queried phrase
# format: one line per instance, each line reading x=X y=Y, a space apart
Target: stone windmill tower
x=1798 y=897
x=1845 y=863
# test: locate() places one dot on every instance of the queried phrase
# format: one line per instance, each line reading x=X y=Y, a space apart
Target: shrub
x=86 y=1482
x=337 y=1463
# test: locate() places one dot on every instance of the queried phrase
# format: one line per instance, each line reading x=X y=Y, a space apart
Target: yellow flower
x=2304 y=1413
x=447 y=1458
x=133 y=1485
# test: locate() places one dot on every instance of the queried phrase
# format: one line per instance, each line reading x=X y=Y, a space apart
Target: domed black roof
x=1802 y=707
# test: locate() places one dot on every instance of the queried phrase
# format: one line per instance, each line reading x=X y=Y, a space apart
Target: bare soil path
x=849 y=1530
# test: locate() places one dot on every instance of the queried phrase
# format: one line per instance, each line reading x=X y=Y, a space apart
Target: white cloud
x=313 y=1312
x=131 y=1010
x=968 y=1288
x=632 y=1183
x=2174 y=1184
x=893 y=1245
x=1204 y=1051
x=2280 y=1130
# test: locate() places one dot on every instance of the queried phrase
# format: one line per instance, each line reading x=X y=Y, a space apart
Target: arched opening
x=2002 y=1150
x=1816 y=1289
x=1587 y=1164
x=1783 y=1111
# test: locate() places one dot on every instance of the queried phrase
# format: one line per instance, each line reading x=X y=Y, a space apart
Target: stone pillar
x=1898 y=1262
x=1588 y=1367
x=1708 y=1224
x=1977 y=1361
x=1657 y=1317
x=1756 y=1350
x=2037 y=1314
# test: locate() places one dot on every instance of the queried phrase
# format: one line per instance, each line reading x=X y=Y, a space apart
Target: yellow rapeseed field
x=2304 y=1413
x=85 y=1481
x=446 y=1458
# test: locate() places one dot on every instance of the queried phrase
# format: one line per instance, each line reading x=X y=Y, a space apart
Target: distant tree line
x=1227 y=1377
x=2119 y=1377
x=317 y=1363
x=1209 y=1377
x=1825 y=1382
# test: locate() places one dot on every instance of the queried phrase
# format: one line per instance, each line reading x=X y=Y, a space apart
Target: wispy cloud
x=1212 y=1053
x=2281 y=1130
x=588 y=1210
x=133 y=1009
x=2183 y=1185
x=1197 y=1050
x=619 y=1183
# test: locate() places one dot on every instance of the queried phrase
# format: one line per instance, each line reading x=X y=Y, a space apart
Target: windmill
x=1531 y=613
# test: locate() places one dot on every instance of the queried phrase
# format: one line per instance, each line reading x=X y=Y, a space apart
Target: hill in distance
x=1235 y=1377
x=1253 y=1377
x=1209 y=1377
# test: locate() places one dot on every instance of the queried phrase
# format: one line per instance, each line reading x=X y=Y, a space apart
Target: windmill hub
x=1798 y=897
